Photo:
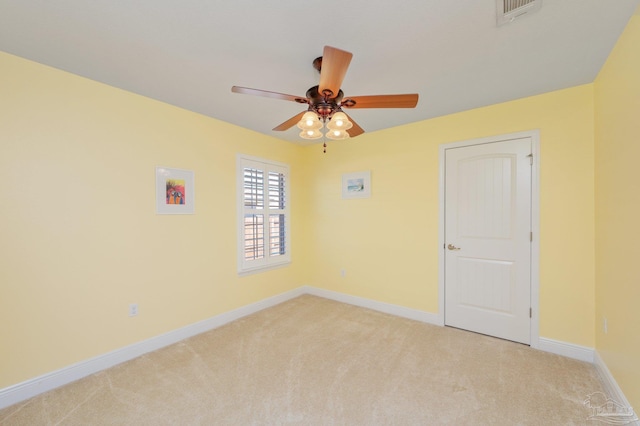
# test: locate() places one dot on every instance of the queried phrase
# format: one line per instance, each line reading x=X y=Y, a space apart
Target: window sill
x=245 y=272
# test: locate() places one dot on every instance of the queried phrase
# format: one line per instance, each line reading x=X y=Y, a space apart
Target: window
x=263 y=214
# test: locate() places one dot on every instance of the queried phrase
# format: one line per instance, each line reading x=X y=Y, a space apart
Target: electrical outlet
x=605 y=326
x=133 y=309
x=343 y=273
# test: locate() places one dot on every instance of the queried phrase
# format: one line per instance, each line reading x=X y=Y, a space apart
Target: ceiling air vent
x=510 y=10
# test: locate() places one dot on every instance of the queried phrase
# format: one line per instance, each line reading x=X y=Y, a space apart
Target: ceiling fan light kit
x=337 y=126
x=326 y=100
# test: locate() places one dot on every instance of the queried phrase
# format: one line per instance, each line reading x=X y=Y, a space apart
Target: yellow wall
x=79 y=237
x=388 y=244
x=617 y=102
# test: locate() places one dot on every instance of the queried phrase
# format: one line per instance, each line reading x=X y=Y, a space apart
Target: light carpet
x=313 y=361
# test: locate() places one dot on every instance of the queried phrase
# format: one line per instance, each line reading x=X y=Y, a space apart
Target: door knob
x=452 y=247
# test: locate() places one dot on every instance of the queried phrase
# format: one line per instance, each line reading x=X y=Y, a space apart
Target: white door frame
x=535 y=223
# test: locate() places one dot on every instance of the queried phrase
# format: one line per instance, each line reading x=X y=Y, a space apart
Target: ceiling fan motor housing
x=323 y=105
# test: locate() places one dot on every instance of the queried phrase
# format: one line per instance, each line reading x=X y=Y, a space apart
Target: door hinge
x=530 y=313
x=530 y=159
x=531 y=236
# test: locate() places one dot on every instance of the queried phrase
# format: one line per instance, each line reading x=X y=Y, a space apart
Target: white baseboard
x=33 y=387
x=569 y=350
x=30 y=388
x=611 y=387
x=387 y=308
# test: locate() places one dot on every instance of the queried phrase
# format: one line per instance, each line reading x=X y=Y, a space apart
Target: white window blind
x=263 y=214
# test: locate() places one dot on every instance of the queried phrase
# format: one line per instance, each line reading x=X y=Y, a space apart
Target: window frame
x=268 y=261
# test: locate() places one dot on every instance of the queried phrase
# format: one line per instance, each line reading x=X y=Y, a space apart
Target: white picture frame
x=356 y=185
x=175 y=191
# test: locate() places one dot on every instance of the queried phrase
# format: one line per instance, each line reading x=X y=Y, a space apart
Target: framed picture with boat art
x=175 y=193
x=356 y=185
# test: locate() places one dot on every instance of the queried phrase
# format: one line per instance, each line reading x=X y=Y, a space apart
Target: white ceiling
x=190 y=52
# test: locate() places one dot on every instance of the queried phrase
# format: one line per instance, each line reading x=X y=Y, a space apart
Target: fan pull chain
x=324 y=148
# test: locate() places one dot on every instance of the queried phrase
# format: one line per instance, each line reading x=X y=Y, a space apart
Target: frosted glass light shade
x=310 y=134
x=309 y=121
x=337 y=134
x=339 y=121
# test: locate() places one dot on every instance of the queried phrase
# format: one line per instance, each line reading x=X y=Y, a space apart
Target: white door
x=488 y=238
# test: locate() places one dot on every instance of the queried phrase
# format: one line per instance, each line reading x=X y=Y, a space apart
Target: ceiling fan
x=326 y=100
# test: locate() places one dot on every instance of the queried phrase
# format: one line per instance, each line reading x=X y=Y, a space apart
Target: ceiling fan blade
x=382 y=101
x=289 y=123
x=355 y=130
x=267 y=94
x=334 y=67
